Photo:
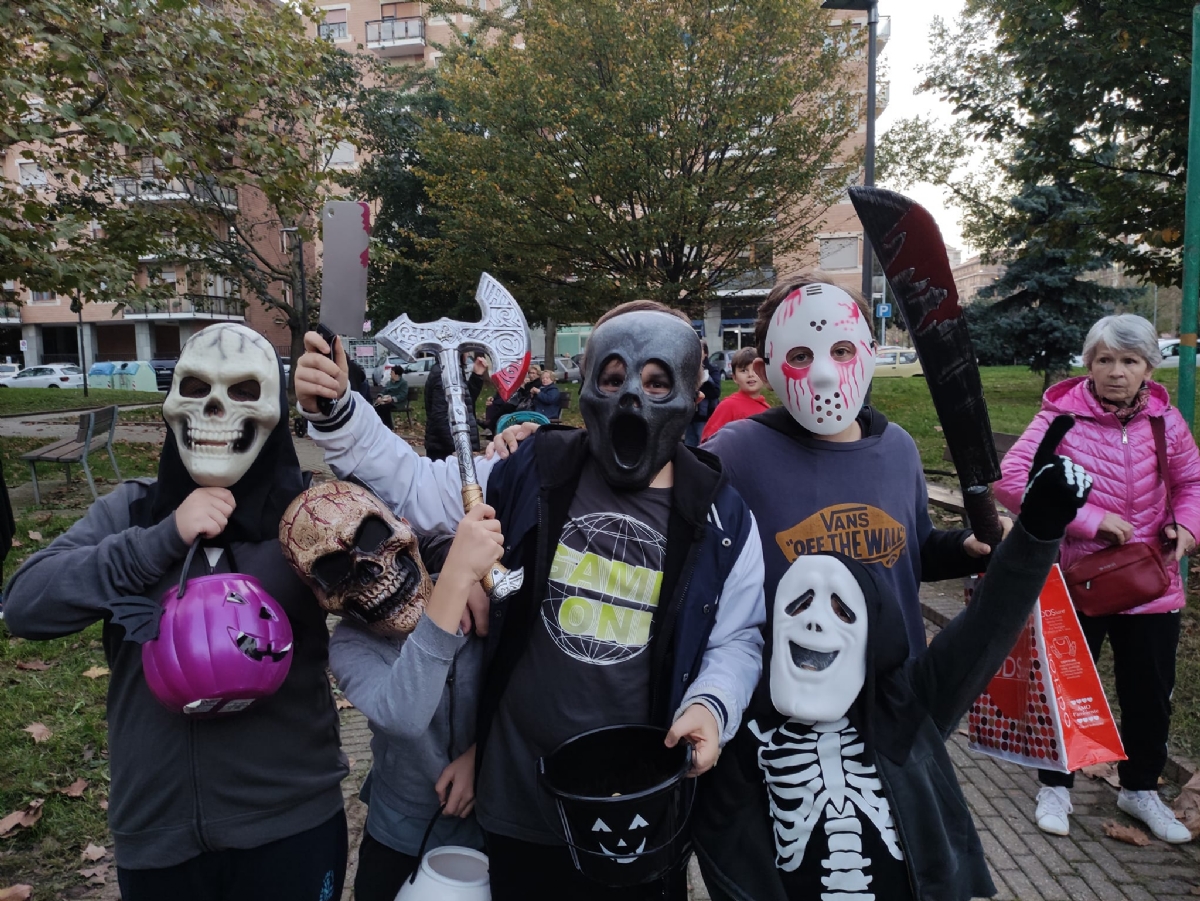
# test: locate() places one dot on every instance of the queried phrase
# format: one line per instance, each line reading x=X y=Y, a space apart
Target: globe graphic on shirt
x=604 y=588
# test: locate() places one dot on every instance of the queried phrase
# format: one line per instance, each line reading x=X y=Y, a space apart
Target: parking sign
x=883 y=311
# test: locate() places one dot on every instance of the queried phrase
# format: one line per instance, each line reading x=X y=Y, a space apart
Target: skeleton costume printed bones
x=840 y=786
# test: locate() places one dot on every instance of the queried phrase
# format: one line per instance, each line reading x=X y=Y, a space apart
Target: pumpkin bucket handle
x=187 y=565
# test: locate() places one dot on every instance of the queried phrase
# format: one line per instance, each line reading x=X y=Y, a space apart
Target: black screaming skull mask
x=633 y=434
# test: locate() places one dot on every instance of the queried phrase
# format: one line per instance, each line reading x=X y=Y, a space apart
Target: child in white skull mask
x=826 y=471
x=244 y=806
x=840 y=784
x=642 y=594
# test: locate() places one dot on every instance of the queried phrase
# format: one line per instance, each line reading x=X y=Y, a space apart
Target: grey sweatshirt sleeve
x=69 y=585
x=963 y=657
x=398 y=691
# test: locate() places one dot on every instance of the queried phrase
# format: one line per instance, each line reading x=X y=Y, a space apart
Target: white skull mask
x=223 y=402
x=819 y=641
x=820 y=357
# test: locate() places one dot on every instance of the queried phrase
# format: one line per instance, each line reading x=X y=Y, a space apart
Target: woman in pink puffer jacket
x=1113 y=440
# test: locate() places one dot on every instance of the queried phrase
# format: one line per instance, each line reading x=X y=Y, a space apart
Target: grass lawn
x=71 y=706
x=46 y=400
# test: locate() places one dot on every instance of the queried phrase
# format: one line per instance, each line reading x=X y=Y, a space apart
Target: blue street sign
x=883 y=311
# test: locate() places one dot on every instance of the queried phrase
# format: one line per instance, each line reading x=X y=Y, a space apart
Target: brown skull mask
x=358 y=558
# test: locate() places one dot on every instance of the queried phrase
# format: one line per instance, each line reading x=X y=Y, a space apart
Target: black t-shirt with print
x=587 y=663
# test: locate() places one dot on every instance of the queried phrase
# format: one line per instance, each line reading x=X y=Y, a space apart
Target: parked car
x=724 y=359
x=52 y=375
x=8 y=370
x=164 y=371
x=565 y=368
x=1170 y=353
x=415 y=373
x=897 y=362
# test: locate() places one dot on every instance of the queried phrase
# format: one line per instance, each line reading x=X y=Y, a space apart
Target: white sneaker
x=1148 y=807
x=1053 y=807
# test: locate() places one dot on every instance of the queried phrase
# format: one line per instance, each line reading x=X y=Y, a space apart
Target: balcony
x=187 y=306
x=10 y=314
x=150 y=189
x=397 y=37
x=883 y=31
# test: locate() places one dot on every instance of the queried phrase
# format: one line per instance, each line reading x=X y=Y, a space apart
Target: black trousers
x=309 y=865
x=524 y=871
x=1143 y=646
x=381 y=870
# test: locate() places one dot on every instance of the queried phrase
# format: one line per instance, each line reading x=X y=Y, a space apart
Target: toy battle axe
x=913 y=254
x=503 y=336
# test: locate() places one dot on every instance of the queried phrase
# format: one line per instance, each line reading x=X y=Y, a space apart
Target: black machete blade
x=913 y=255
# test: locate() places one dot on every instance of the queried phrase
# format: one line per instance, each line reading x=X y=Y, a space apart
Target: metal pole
x=303 y=288
x=1191 y=245
x=868 y=277
x=82 y=356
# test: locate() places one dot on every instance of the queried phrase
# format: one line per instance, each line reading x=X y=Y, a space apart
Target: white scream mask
x=820 y=357
x=819 y=641
x=223 y=402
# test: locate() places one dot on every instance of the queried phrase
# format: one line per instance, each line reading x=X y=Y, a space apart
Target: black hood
x=886 y=713
x=262 y=494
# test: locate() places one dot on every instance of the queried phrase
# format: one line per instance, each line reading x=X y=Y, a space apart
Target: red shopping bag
x=1046 y=707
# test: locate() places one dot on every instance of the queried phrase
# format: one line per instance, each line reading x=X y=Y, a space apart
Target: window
x=335 y=27
x=389 y=11
x=31 y=174
x=839 y=253
x=342 y=156
x=43 y=297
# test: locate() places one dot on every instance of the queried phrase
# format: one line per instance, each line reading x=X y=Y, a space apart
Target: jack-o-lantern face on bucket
x=358 y=558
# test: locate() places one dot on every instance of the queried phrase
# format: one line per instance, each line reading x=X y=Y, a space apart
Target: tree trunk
x=551 y=336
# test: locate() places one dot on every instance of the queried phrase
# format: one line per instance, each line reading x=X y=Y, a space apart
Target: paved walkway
x=1026 y=864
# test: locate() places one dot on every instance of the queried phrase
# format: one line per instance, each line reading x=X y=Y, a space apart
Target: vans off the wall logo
x=860 y=531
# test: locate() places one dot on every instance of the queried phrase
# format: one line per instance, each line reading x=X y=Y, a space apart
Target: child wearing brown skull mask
x=404 y=655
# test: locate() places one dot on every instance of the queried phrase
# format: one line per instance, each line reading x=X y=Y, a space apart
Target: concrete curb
x=1178 y=769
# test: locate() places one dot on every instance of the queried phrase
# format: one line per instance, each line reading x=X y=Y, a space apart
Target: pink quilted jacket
x=1124 y=468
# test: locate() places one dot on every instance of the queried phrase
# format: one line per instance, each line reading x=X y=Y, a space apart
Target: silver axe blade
x=501 y=334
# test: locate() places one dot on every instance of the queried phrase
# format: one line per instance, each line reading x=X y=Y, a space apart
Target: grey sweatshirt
x=420 y=698
x=182 y=786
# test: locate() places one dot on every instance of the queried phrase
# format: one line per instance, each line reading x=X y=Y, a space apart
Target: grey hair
x=1124 y=333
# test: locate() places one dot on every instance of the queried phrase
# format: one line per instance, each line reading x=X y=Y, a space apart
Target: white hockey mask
x=819 y=641
x=820 y=357
x=223 y=403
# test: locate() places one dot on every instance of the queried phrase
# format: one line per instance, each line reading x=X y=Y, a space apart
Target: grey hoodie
x=420 y=698
x=182 y=786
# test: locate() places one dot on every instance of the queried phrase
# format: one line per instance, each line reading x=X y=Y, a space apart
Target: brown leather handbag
x=1128 y=575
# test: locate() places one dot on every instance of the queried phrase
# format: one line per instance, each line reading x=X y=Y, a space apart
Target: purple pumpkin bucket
x=223 y=642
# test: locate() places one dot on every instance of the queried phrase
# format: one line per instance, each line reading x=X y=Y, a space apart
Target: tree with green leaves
x=1093 y=92
x=1046 y=301
x=597 y=151
x=176 y=129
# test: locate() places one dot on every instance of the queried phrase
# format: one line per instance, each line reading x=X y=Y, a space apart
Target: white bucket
x=449 y=873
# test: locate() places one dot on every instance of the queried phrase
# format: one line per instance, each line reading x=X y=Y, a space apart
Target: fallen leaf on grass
x=16 y=543
x=22 y=818
x=1127 y=834
x=94 y=851
x=1105 y=771
x=35 y=536
x=75 y=789
x=16 y=893
x=95 y=672
x=1187 y=807
x=95 y=875
x=39 y=732
x=343 y=703
x=104 y=804
x=36 y=666
x=1196 y=889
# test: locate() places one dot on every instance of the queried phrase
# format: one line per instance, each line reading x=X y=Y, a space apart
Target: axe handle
x=979 y=503
x=472 y=496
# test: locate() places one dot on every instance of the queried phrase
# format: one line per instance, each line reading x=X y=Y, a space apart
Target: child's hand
x=698 y=727
x=319 y=377
x=206 y=512
x=475 y=616
x=456 y=786
x=477 y=545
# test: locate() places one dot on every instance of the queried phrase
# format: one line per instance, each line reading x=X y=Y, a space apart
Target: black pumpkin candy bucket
x=621 y=802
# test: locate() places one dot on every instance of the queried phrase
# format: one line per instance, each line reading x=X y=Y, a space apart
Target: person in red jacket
x=747 y=401
x=1113 y=406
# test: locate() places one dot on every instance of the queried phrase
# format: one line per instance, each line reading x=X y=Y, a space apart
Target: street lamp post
x=302 y=306
x=871 y=8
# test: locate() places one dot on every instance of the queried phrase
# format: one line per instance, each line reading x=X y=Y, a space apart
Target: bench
x=950 y=499
x=96 y=430
x=566 y=405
